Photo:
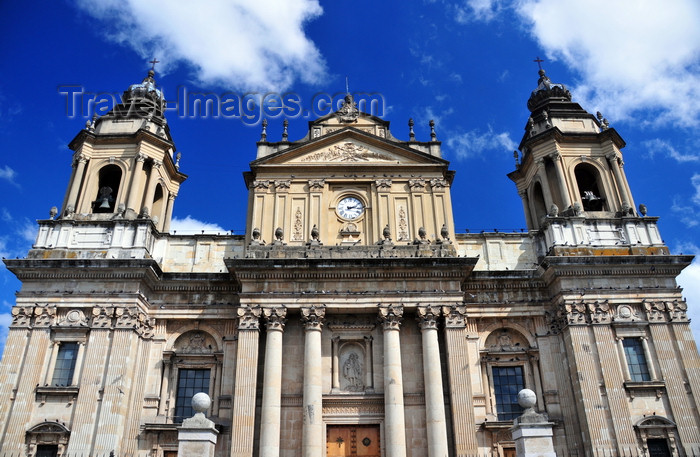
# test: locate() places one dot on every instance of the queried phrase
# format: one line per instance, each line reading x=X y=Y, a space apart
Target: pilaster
x=245 y=383
x=461 y=395
x=663 y=316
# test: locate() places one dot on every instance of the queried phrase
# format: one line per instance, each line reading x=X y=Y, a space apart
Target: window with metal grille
x=636 y=360
x=507 y=382
x=190 y=382
x=65 y=364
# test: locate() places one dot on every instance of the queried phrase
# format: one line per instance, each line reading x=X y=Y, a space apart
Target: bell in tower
x=571 y=177
x=123 y=165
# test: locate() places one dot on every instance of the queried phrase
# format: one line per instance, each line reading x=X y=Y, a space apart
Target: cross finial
x=154 y=62
x=539 y=62
x=347 y=86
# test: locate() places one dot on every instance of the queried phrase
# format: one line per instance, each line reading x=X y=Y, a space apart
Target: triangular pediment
x=347 y=147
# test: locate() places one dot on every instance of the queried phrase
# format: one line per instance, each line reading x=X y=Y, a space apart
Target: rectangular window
x=507 y=382
x=636 y=360
x=189 y=382
x=65 y=364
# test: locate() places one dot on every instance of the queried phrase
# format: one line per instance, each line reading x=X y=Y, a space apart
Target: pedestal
x=197 y=437
x=532 y=432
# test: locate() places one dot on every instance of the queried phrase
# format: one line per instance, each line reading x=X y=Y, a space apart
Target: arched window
x=157 y=202
x=589 y=188
x=193 y=366
x=509 y=365
x=107 y=190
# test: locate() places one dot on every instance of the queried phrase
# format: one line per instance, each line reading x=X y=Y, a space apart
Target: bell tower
x=571 y=179
x=123 y=164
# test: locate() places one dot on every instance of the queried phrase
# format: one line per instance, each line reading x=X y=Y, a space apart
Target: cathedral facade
x=350 y=319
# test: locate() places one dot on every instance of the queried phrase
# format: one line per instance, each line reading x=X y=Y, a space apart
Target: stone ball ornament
x=527 y=398
x=201 y=402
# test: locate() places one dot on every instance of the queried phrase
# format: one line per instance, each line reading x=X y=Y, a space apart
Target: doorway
x=658 y=448
x=352 y=440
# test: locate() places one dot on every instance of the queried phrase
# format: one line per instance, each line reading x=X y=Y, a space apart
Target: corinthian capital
x=312 y=317
x=455 y=316
x=428 y=316
x=390 y=316
x=275 y=317
x=248 y=317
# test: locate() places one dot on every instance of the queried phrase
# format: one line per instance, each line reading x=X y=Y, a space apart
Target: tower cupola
x=123 y=162
x=570 y=168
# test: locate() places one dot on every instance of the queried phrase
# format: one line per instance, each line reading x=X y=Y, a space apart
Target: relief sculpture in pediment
x=347 y=152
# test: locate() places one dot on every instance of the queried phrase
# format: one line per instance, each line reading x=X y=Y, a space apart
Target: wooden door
x=352 y=440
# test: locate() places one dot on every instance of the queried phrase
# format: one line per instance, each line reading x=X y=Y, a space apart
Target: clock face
x=350 y=208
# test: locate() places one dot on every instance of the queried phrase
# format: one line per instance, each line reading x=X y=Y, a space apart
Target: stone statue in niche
x=353 y=373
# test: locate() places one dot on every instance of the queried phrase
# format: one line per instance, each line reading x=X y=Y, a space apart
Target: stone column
x=151 y=190
x=72 y=199
x=243 y=426
x=272 y=383
x=622 y=189
x=461 y=394
x=336 y=369
x=432 y=372
x=165 y=386
x=526 y=209
x=369 y=376
x=312 y=440
x=563 y=190
x=165 y=223
x=394 y=423
x=532 y=432
x=197 y=435
x=544 y=182
x=135 y=185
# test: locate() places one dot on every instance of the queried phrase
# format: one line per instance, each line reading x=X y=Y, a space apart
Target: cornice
x=614 y=266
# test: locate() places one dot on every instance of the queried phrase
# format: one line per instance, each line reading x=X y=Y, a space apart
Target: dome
x=547 y=91
x=146 y=88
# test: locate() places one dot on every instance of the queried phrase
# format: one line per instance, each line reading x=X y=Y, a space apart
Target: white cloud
x=189 y=226
x=241 y=44
x=632 y=54
x=8 y=174
x=473 y=143
x=28 y=230
x=695 y=181
x=656 y=145
x=478 y=10
x=689 y=280
x=686 y=213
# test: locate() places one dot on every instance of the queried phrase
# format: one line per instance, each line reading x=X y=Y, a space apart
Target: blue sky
x=467 y=64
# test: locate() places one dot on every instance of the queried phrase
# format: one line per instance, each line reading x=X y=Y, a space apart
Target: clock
x=350 y=208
